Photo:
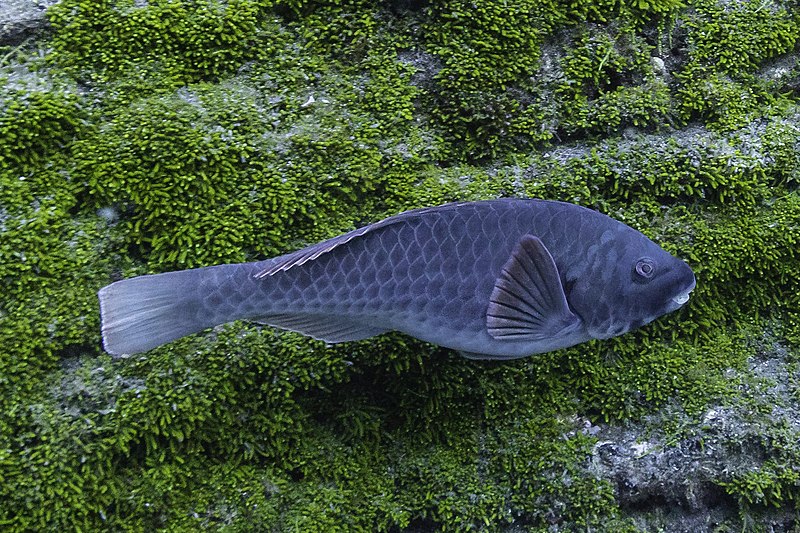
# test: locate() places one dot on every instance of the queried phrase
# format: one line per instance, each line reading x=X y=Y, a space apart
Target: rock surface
x=20 y=19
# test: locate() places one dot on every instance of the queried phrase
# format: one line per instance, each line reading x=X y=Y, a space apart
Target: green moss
x=772 y=485
x=762 y=475
x=193 y=39
x=495 y=89
x=488 y=45
x=179 y=174
x=51 y=261
x=34 y=125
x=349 y=29
x=740 y=37
x=484 y=50
x=610 y=84
x=726 y=46
x=52 y=264
x=202 y=180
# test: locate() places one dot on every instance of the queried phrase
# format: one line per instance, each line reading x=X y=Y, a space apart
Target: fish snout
x=683 y=296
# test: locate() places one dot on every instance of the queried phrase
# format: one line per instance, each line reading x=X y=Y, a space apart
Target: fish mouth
x=683 y=297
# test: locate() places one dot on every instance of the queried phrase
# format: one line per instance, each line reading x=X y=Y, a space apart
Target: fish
x=493 y=279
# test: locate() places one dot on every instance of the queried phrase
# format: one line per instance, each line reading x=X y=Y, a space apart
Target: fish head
x=629 y=281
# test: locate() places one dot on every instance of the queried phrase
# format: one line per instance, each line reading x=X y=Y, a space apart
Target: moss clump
x=726 y=45
x=485 y=50
x=762 y=442
x=179 y=171
x=609 y=83
x=496 y=86
x=192 y=40
x=34 y=125
x=219 y=173
x=50 y=259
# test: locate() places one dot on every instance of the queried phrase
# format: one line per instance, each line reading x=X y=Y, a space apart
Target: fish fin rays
x=478 y=356
x=321 y=327
x=285 y=262
x=528 y=300
x=141 y=313
x=300 y=257
x=475 y=356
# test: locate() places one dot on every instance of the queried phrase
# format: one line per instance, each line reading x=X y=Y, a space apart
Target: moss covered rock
x=145 y=136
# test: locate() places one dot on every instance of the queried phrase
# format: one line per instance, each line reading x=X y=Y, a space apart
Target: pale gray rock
x=20 y=19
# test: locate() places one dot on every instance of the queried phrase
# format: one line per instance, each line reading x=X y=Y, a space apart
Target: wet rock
x=20 y=19
x=669 y=469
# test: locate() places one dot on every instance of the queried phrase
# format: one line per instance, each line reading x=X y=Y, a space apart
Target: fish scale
x=494 y=279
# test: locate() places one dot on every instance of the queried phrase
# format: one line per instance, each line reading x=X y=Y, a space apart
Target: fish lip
x=683 y=297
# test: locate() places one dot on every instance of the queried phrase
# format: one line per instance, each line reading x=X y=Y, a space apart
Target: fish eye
x=645 y=267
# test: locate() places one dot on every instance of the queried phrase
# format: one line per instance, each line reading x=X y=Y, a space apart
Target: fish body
x=496 y=279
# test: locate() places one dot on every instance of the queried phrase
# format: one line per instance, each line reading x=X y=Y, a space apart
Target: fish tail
x=141 y=313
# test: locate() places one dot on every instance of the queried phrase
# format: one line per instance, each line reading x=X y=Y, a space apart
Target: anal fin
x=475 y=356
x=326 y=328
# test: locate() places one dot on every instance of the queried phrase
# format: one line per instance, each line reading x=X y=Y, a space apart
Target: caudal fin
x=141 y=313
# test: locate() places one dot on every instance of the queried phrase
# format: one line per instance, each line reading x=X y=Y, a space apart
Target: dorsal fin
x=315 y=250
x=528 y=300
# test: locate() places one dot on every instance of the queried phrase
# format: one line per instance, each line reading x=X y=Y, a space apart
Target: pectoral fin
x=528 y=300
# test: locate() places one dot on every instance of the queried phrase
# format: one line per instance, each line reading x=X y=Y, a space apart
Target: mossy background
x=141 y=136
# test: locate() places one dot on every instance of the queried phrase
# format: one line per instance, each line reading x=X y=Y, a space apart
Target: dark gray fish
x=498 y=279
